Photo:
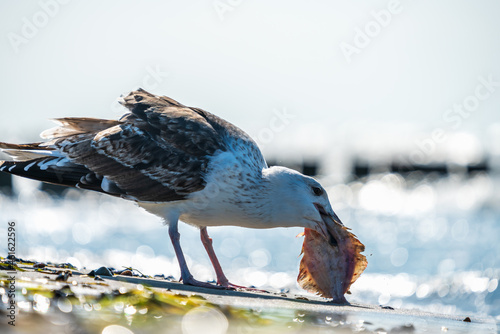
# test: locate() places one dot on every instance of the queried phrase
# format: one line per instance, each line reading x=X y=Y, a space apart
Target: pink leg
x=186 y=276
x=221 y=278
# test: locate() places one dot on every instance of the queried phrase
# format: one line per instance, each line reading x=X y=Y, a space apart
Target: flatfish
x=329 y=267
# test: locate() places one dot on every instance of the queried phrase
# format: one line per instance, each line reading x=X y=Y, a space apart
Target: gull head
x=332 y=258
x=298 y=200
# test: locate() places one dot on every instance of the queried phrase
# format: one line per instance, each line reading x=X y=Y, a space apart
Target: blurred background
x=392 y=105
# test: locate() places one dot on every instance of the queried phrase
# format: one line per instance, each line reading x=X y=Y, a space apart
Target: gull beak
x=330 y=220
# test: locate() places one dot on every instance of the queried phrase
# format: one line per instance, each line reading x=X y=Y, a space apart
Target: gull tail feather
x=69 y=126
x=48 y=165
x=26 y=152
x=55 y=170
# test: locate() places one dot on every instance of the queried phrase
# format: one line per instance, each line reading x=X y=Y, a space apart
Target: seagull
x=179 y=163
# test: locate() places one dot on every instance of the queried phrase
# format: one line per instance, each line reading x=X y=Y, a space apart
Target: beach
x=55 y=299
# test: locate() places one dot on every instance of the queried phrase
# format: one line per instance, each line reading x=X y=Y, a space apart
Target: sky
x=315 y=78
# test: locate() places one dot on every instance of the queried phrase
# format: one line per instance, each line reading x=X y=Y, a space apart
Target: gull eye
x=317 y=191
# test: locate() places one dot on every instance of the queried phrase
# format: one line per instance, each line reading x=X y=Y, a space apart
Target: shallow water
x=431 y=243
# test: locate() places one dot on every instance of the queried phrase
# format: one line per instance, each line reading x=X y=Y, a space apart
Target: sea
x=432 y=241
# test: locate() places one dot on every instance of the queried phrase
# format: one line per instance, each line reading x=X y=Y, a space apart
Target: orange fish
x=329 y=267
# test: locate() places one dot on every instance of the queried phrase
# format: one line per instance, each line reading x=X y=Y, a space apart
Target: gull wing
x=157 y=152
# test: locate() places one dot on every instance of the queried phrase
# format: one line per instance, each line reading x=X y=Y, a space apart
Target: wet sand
x=119 y=300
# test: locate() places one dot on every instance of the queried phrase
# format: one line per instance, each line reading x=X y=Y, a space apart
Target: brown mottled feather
x=32 y=146
x=157 y=152
x=75 y=125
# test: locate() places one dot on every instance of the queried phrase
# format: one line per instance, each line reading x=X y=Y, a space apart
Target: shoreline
x=259 y=311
